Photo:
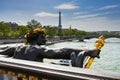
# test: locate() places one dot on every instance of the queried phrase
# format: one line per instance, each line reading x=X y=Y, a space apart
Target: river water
x=109 y=56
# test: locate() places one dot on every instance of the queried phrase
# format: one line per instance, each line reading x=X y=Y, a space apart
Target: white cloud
x=79 y=13
x=107 y=7
x=46 y=14
x=21 y=22
x=90 y=15
x=66 y=6
x=96 y=24
x=86 y=16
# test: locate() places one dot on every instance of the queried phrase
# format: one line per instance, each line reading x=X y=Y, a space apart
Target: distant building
x=60 y=24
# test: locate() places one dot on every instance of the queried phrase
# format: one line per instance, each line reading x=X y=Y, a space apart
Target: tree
x=22 y=30
x=67 y=32
x=51 y=31
x=33 y=23
x=4 y=28
x=13 y=25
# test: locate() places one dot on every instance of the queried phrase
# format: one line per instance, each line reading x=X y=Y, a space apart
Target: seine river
x=109 y=56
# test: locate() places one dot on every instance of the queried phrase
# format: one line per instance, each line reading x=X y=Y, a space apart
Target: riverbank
x=50 y=41
x=7 y=41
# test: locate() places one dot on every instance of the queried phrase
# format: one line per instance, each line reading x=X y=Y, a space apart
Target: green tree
x=81 y=33
x=51 y=31
x=4 y=29
x=70 y=32
x=21 y=30
x=67 y=32
x=33 y=23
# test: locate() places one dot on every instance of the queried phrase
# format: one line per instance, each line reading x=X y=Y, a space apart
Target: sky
x=87 y=15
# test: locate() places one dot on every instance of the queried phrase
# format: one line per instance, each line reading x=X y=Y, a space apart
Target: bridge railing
x=40 y=71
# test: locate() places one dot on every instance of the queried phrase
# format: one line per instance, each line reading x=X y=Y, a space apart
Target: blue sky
x=88 y=15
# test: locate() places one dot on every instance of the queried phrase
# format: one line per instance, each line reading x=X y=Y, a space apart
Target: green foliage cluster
x=55 y=31
x=8 y=29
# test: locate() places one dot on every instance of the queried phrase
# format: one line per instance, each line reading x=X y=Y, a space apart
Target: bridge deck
x=54 y=72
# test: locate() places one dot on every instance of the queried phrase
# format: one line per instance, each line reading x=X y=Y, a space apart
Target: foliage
x=13 y=29
x=51 y=31
x=21 y=30
x=33 y=23
x=4 y=28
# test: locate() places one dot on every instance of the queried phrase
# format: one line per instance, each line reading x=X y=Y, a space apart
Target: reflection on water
x=90 y=40
x=112 y=40
x=106 y=40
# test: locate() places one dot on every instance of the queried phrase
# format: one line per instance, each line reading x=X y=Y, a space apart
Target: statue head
x=35 y=36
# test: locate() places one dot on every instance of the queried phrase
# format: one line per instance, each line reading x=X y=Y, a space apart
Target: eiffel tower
x=60 y=25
